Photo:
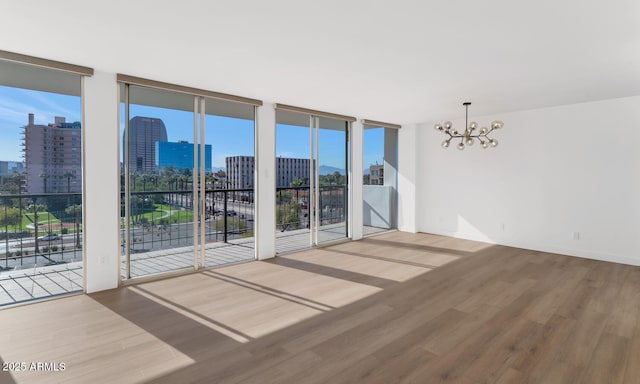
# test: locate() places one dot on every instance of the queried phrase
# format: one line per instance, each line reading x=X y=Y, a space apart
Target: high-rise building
x=240 y=171
x=52 y=156
x=180 y=155
x=144 y=133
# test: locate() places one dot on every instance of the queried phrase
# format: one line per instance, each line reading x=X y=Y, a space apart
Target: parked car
x=49 y=237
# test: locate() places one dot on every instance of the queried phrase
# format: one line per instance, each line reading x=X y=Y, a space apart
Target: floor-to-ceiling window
x=40 y=179
x=186 y=178
x=379 y=190
x=312 y=164
x=229 y=182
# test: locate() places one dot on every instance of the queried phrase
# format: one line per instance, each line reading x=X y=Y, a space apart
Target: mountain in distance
x=328 y=170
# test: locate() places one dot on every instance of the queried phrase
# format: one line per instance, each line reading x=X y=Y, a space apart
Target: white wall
x=555 y=172
x=101 y=211
x=408 y=204
x=378 y=205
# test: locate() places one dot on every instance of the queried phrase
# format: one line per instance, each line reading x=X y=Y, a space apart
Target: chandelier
x=468 y=136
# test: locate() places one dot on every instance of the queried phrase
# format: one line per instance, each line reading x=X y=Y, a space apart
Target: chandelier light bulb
x=461 y=146
x=483 y=130
x=473 y=125
x=484 y=144
x=455 y=132
x=445 y=144
x=496 y=124
x=469 y=141
x=493 y=142
x=437 y=127
x=447 y=124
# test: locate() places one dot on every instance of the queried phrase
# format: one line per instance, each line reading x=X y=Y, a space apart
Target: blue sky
x=15 y=106
x=228 y=136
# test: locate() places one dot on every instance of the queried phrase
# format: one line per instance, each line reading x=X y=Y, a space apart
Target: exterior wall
x=144 y=132
x=240 y=171
x=53 y=156
x=289 y=169
x=377 y=206
x=376 y=175
x=180 y=155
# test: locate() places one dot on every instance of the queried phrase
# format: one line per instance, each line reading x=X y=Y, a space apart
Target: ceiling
x=403 y=61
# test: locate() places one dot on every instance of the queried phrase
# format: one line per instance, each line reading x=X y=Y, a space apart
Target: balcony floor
x=40 y=282
x=49 y=281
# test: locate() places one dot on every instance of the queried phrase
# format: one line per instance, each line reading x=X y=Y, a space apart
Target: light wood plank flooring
x=393 y=308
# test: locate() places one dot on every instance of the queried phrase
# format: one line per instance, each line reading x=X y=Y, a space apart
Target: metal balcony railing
x=40 y=230
x=46 y=229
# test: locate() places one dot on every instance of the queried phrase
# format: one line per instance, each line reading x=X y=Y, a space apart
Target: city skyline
x=227 y=136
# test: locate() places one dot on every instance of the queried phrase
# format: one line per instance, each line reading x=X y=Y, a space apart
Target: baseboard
x=602 y=256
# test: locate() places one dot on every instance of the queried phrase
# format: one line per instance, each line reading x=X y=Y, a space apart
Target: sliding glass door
x=312 y=163
x=159 y=131
x=186 y=202
x=227 y=183
x=332 y=164
x=41 y=176
x=379 y=190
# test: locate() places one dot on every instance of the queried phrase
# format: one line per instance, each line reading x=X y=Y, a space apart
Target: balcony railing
x=293 y=208
x=40 y=230
x=46 y=229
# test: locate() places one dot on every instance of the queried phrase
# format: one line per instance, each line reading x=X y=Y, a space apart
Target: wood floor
x=393 y=308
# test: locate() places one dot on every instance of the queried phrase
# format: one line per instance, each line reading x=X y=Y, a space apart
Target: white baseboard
x=602 y=256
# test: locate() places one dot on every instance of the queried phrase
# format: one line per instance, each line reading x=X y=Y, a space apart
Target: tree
x=12 y=184
x=69 y=176
x=9 y=216
x=211 y=181
x=366 y=179
x=288 y=214
x=35 y=208
x=75 y=211
x=296 y=183
x=44 y=176
x=167 y=177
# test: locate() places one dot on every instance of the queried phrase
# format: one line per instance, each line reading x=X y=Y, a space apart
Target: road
x=150 y=238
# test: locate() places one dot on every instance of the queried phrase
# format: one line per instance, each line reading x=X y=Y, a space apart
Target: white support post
x=265 y=183
x=101 y=172
x=357 y=167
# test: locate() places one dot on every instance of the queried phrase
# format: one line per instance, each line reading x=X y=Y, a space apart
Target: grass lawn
x=162 y=212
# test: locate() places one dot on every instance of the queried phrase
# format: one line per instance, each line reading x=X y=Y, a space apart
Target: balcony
x=40 y=246
x=41 y=235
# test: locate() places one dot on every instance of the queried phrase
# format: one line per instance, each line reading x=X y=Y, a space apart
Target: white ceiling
x=399 y=61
